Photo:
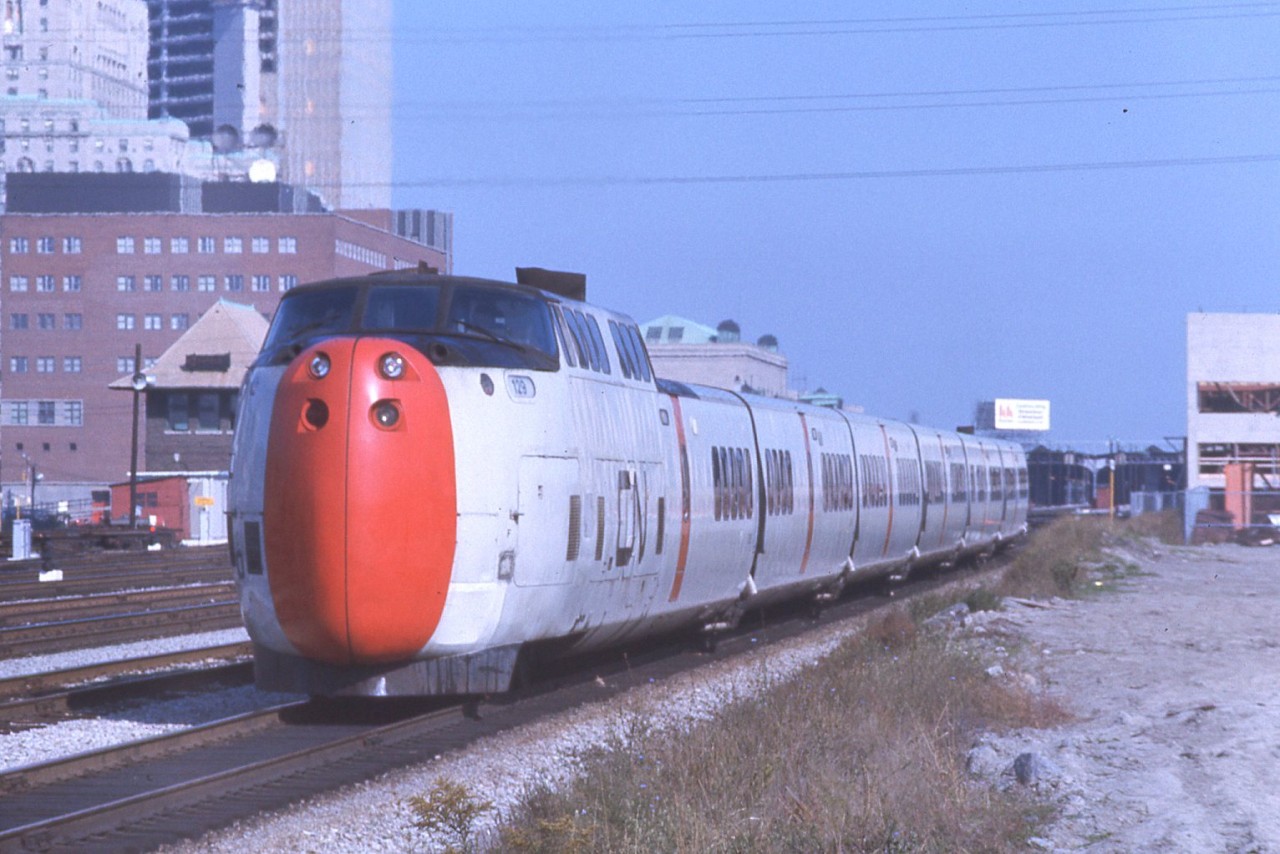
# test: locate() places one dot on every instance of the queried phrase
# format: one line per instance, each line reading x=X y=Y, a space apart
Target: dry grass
x=863 y=752
x=1064 y=557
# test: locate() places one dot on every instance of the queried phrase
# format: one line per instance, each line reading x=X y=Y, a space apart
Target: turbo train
x=438 y=479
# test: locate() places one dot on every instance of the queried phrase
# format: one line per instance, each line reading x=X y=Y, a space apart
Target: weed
x=450 y=810
x=982 y=599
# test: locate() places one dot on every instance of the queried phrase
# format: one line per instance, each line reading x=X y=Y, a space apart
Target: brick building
x=79 y=291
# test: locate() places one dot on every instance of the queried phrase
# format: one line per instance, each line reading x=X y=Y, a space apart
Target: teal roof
x=672 y=329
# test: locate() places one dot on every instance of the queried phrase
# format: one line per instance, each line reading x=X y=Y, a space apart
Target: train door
x=548 y=521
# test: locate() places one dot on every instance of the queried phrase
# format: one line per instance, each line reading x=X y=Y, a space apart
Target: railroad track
x=32 y=611
x=42 y=638
x=44 y=697
x=162 y=790
x=106 y=573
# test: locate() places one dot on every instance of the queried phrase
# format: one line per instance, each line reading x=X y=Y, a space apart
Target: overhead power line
x=853 y=175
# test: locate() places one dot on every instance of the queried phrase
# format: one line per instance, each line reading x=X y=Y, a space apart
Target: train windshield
x=461 y=324
x=311 y=314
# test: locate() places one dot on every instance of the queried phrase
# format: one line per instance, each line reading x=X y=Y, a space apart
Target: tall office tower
x=77 y=51
x=334 y=73
x=211 y=64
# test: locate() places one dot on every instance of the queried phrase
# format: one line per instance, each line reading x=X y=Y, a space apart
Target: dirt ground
x=1175 y=681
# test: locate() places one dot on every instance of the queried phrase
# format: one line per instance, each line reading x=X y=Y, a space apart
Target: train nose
x=360 y=516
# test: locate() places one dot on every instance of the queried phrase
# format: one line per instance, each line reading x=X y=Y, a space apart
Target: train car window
x=908 y=483
x=407 y=308
x=959 y=494
x=642 y=353
x=748 y=493
x=594 y=329
x=735 y=483
x=631 y=341
x=578 y=323
x=716 y=479
x=309 y=314
x=562 y=330
x=624 y=356
x=739 y=486
x=789 y=498
x=997 y=491
x=583 y=341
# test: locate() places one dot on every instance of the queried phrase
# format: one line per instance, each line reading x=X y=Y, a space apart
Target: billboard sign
x=1012 y=414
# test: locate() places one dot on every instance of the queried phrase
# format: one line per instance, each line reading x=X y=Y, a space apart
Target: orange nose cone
x=360 y=516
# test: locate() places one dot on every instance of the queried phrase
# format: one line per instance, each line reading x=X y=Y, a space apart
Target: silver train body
x=436 y=478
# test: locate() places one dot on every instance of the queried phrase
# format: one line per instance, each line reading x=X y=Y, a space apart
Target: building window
x=178 y=418
x=233 y=245
x=17 y=364
x=71 y=245
x=207 y=283
x=287 y=245
x=73 y=414
x=206 y=246
x=72 y=364
x=18 y=246
x=153 y=283
x=46 y=412
x=181 y=283
x=125 y=322
x=71 y=283
x=73 y=321
x=207 y=411
x=126 y=283
x=262 y=284
x=45 y=284
x=47 y=320
x=46 y=364
x=235 y=282
x=261 y=245
x=124 y=245
x=179 y=245
x=17 y=415
x=152 y=245
x=18 y=284
x=180 y=321
x=152 y=322
x=288 y=282
x=45 y=245
x=18 y=321
x=124 y=364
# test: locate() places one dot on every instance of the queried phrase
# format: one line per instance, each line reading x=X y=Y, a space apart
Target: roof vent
x=207 y=363
x=568 y=285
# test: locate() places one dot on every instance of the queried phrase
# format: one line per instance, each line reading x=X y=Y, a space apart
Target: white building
x=692 y=352
x=1233 y=396
x=75 y=97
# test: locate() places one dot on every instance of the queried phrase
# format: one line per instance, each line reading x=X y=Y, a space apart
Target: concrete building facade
x=1233 y=397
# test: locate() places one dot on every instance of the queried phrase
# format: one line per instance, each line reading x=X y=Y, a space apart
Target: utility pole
x=138 y=382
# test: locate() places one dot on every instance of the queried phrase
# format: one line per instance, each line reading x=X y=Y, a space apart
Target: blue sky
x=929 y=204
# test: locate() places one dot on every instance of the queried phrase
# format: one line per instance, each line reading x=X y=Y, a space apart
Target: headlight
x=319 y=367
x=391 y=366
x=386 y=414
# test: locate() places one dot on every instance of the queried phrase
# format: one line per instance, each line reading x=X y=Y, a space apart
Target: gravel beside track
x=131 y=721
